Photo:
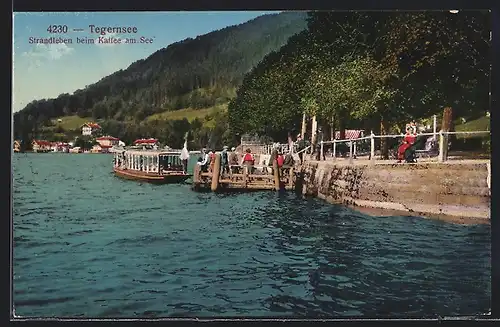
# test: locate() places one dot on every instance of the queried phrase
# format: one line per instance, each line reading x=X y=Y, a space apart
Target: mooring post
x=245 y=175
x=442 y=145
x=196 y=174
x=321 y=151
x=216 y=173
x=372 y=146
x=350 y=152
x=434 y=126
x=334 y=149
x=488 y=178
x=443 y=134
x=276 y=172
x=303 y=129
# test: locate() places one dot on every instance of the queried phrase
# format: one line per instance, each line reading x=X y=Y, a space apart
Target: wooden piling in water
x=216 y=173
x=276 y=172
x=290 y=180
x=245 y=175
x=196 y=174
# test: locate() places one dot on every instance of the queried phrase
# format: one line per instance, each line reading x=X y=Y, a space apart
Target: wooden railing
x=352 y=143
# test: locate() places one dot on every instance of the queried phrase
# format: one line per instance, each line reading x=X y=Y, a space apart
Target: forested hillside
x=192 y=74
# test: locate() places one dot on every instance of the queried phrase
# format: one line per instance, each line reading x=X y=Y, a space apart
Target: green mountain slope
x=194 y=73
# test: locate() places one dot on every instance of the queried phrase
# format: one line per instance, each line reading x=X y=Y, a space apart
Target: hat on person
x=233 y=148
x=225 y=147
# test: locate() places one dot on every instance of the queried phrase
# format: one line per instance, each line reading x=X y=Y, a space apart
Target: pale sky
x=45 y=71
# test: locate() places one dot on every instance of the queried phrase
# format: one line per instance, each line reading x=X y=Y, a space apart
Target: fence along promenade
x=354 y=143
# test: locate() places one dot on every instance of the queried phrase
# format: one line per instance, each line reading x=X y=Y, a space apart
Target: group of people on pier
x=233 y=162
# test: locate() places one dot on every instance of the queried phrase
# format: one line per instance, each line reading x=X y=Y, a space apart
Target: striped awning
x=350 y=134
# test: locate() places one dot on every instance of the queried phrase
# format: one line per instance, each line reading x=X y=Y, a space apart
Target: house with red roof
x=107 y=141
x=60 y=147
x=90 y=128
x=41 y=146
x=97 y=148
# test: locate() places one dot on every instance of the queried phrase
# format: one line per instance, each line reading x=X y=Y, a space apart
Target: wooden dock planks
x=269 y=178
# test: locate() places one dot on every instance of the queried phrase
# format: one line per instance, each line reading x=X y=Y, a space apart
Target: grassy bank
x=70 y=123
x=188 y=113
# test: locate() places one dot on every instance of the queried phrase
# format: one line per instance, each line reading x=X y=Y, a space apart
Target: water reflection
x=342 y=262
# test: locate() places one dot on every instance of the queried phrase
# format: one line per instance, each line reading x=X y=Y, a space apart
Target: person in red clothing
x=280 y=159
x=248 y=160
x=408 y=141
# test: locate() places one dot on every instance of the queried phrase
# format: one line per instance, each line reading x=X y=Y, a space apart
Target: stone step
x=480 y=171
x=402 y=193
x=407 y=179
x=429 y=188
x=467 y=178
x=406 y=196
x=462 y=213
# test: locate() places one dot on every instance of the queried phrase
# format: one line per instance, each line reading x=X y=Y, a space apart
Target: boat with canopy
x=162 y=167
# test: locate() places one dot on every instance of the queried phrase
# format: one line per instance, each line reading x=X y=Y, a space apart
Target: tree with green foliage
x=374 y=70
x=269 y=101
x=84 y=142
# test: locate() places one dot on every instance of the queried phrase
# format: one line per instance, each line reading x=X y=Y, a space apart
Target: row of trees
x=369 y=70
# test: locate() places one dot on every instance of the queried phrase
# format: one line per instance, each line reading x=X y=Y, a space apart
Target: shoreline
x=375 y=188
x=388 y=213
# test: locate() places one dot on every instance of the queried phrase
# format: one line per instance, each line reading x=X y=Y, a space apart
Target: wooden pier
x=243 y=178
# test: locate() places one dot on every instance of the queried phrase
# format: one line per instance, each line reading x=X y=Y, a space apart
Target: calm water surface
x=89 y=244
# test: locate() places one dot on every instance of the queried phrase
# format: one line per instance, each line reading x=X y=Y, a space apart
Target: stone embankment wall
x=432 y=189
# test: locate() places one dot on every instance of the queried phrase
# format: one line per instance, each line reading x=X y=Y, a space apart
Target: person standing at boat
x=224 y=160
x=205 y=160
x=280 y=159
x=274 y=156
x=184 y=156
x=124 y=161
x=212 y=159
x=301 y=144
x=248 y=161
x=233 y=160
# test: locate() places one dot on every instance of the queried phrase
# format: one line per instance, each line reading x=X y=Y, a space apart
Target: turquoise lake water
x=88 y=244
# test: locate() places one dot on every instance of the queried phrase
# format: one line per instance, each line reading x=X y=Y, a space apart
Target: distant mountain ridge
x=193 y=73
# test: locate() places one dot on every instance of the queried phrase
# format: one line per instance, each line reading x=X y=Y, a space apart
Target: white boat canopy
x=151 y=153
x=148 y=161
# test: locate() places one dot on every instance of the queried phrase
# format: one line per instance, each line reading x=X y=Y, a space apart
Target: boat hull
x=150 y=177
